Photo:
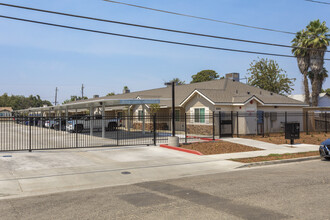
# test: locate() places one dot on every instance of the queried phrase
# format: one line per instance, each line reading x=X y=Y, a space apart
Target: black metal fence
x=39 y=133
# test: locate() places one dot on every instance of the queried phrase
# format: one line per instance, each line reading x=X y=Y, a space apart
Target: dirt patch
x=277 y=157
x=219 y=147
x=311 y=138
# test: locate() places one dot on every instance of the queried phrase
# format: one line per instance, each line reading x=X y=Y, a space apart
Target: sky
x=35 y=59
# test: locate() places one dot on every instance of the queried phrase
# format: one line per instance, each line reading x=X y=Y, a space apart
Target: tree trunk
x=303 y=64
x=316 y=65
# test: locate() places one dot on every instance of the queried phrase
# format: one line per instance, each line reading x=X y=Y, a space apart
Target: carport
x=90 y=105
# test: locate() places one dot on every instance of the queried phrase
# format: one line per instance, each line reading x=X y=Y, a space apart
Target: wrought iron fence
x=78 y=131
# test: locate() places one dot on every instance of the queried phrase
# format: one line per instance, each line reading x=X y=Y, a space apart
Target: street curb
x=181 y=149
x=265 y=163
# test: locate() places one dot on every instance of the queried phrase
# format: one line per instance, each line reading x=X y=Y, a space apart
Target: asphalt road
x=288 y=191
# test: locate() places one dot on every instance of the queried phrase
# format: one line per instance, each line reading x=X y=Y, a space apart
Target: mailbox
x=292 y=131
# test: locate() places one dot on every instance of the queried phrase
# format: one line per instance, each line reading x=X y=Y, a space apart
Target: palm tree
x=322 y=76
x=318 y=41
x=300 y=42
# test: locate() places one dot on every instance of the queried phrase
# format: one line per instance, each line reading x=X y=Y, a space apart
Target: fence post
x=30 y=135
x=155 y=129
x=232 y=121
x=117 y=130
x=219 y=124
x=326 y=122
x=76 y=128
x=237 y=128
x=213 y=126
x=263 y=124
x=185 y=128
x=307 y=123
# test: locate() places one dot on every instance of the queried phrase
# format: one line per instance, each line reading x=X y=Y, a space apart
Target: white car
x=78 y=125
x=49 y=123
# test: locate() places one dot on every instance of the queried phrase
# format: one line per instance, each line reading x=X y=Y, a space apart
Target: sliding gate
x=40 y=133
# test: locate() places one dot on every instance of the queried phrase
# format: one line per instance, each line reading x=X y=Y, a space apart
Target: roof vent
x=96 y=96
x=236 y=91
x=271 y=93
x=260 y=92
x=248 y=93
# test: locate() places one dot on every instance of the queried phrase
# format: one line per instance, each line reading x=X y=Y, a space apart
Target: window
x=140 y=115
x=177 y=115
x=119 y=114
x=199 y=115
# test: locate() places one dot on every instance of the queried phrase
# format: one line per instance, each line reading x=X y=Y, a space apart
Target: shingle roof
x=6 y=109
x=218 y=91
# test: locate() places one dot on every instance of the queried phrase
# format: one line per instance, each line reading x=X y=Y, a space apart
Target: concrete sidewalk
x=43 y=172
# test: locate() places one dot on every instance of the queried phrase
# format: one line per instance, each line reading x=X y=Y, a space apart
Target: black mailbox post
x=292 y=131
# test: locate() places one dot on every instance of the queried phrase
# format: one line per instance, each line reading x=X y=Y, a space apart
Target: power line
x=152 y=27
x=202 y=18
x=144 y=38
x=319 y=2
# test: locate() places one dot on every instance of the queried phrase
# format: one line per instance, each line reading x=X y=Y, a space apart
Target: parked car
x=60 y=124
x=49 y=123
x=78 y=125
x=325 y=150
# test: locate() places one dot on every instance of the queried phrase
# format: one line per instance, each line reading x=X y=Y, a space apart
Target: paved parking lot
x=21 y=137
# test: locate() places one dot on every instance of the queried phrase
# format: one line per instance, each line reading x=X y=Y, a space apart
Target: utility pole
x=56 y=96
x=82 y=91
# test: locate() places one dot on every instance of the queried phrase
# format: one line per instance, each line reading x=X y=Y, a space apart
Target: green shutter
x=202 y=115
x=197 y=115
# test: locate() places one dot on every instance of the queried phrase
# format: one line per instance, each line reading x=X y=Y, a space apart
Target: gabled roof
x=9 y=109
x=222 y=91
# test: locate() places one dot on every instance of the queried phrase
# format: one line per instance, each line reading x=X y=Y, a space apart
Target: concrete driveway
x=39 y=172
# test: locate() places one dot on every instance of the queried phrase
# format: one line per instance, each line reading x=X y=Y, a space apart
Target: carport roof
x=94 y=103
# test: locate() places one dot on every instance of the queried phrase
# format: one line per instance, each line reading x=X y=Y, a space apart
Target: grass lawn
x=277 y=157
x=219 y=147
x=312 y=138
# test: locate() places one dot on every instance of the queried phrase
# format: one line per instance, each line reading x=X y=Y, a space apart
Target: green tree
x=154 y=108
x=204 y=75
x=111 y=94
x=178 y=81
x=326 y=91
x=74 y=98
x=316 y=38
x=21 y=102
x=303 y=59
x=266 y=74
x=318 y=41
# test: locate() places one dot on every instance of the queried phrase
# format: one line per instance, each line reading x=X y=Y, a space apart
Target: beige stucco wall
x=294 y=114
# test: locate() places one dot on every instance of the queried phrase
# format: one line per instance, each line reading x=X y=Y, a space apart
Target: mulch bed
x=218 y=147
x=277 y=157
x=312 y=138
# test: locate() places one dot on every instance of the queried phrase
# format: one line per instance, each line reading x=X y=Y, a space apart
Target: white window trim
x=206 y=109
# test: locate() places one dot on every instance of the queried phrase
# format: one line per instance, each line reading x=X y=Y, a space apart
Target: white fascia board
x=192 y=94
x=254 y=98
